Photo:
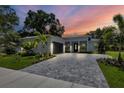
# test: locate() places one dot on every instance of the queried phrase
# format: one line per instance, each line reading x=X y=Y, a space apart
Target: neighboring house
x=57 y=44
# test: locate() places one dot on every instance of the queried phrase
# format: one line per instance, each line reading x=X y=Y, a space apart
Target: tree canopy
x=119 y=20
x=9 y=38
x=101 y=33
x=113 y=36
x=43 y=22
x=8 y=18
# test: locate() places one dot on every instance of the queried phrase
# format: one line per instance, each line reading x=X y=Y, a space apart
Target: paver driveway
x=73 y=67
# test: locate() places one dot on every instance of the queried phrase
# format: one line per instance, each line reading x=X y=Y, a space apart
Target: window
x=82 y=46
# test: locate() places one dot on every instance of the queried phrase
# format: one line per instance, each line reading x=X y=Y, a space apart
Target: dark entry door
x=75 y=47
x=57 y=47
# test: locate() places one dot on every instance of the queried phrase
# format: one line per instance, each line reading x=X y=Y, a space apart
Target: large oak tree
x=43 y=22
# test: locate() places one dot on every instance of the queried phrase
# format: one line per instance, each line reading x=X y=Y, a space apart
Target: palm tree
x=41 y=38
x=29 y=45
x=119 y=20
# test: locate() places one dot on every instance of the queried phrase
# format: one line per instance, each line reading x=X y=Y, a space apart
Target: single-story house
x=57 y=44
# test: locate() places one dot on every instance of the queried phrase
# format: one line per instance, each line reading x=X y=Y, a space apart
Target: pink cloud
x=98 y=16
x=77 y=19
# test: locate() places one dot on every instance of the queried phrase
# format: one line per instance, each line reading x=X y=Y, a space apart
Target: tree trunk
x=119 y=55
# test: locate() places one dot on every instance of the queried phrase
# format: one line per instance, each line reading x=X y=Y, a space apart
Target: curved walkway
x=73 y=67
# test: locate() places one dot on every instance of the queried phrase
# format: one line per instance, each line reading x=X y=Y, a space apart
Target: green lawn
x=113 y=75
x=10 y=61
x=114 y=54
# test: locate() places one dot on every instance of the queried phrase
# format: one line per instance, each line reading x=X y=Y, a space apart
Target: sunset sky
x=77 y=20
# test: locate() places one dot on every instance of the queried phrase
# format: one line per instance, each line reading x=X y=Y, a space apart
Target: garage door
x=57 y=47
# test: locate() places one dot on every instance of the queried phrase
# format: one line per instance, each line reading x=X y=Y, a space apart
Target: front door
x=75 y=47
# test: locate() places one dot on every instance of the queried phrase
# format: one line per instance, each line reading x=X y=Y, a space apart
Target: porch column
x=70 y=47
x=78 y=46
x=51 y=47
x=63 y=47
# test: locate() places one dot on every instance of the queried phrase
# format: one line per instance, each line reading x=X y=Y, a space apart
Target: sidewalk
x=17 y=79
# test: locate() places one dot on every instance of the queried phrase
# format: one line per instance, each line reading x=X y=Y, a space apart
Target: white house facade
x=57 y=44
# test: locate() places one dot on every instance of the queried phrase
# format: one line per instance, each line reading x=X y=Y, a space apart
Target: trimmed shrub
x=110 y=61
x=9 y=50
